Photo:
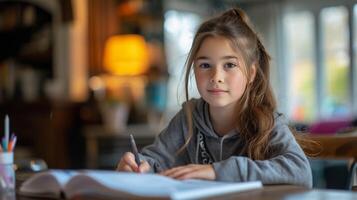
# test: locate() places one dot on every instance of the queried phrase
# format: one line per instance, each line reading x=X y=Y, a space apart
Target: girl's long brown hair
x=255 y=109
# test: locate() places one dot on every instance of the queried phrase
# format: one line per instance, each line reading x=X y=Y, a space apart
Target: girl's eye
x=204 y=65
x=230 y=65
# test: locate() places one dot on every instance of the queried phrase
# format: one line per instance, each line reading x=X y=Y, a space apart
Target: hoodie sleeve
x=288 y=165
x=161 y=154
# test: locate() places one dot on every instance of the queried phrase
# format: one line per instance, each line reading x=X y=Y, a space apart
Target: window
x=318 y=61
x=301 y=69
x=334 y=21
x=354 y=66
x=179 y=30
x=355 y=26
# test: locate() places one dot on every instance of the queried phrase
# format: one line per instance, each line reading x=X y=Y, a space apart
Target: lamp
x=126 y=55
x=126 y=59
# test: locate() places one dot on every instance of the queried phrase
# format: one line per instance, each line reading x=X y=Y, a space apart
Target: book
x=113 y=184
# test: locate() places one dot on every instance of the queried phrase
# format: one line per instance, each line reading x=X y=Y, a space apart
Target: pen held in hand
x=134 y=150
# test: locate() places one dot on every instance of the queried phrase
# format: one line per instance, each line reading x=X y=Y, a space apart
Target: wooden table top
x=290 y=192
x=343 y=145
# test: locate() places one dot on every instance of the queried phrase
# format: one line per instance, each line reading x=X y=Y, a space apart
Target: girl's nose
x=217 y=76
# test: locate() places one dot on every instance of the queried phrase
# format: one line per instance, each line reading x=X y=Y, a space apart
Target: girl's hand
x=127 y=164
x=192 y=171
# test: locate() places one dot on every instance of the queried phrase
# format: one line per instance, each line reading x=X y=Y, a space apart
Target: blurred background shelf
x=104 y=148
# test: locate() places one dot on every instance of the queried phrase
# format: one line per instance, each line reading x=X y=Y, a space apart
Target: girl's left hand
x=191 y=171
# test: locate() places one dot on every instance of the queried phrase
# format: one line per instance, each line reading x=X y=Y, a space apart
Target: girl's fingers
x=180 y=171
x=129 y=159
x=191 y=171
x=144 y=167
x=171 y=171
x=200 y=172
x=127 y=168
x=126 y=162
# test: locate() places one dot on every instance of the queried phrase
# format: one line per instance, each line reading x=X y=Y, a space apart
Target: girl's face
x=219 y=73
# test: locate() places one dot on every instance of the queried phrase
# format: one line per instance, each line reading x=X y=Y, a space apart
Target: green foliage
x=337 y=82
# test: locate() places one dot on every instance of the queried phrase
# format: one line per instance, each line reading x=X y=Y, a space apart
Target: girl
x=232 y=133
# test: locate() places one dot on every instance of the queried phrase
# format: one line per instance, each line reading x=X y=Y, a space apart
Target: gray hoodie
x=287 y=163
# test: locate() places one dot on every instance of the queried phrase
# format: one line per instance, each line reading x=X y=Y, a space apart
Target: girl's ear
x=253 y=72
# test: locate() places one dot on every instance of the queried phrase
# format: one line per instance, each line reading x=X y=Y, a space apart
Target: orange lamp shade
x=126 y=55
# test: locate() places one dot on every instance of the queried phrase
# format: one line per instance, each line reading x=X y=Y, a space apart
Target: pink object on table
x=329 y=126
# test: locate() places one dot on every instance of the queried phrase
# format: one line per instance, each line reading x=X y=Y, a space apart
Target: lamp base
x=115 y=117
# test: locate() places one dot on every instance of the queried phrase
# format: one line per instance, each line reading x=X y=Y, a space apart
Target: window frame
x=315 y=8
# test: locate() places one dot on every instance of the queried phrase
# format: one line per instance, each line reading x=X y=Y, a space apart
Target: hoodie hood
x=202 y=120
x=207 y=144
x=201 y=117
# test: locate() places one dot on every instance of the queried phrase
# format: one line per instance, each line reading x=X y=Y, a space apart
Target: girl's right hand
x=127 y=164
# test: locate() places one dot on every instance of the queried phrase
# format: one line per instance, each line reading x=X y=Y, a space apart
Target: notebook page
x=131 y=183
x=49 y=183
x=121 y=184
x=192 y=189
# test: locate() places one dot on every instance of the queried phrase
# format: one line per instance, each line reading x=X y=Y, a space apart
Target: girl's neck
x=222 y=119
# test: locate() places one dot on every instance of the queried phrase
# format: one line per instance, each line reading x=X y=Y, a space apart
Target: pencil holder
x=7 y=173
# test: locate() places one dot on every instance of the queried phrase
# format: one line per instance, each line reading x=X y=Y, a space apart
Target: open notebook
x=111 y=184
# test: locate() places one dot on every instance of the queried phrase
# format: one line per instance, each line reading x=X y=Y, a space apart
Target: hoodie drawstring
x=197 y=148
x=220 y=149
x=221 y=146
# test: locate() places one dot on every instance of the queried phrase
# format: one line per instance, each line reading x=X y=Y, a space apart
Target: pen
x=135 y=150
x=7 y=131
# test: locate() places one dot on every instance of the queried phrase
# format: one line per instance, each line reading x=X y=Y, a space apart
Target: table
x=276 y=192
x=268 y=192
x=279 y=192
x=290 y=192
x=342 y=145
